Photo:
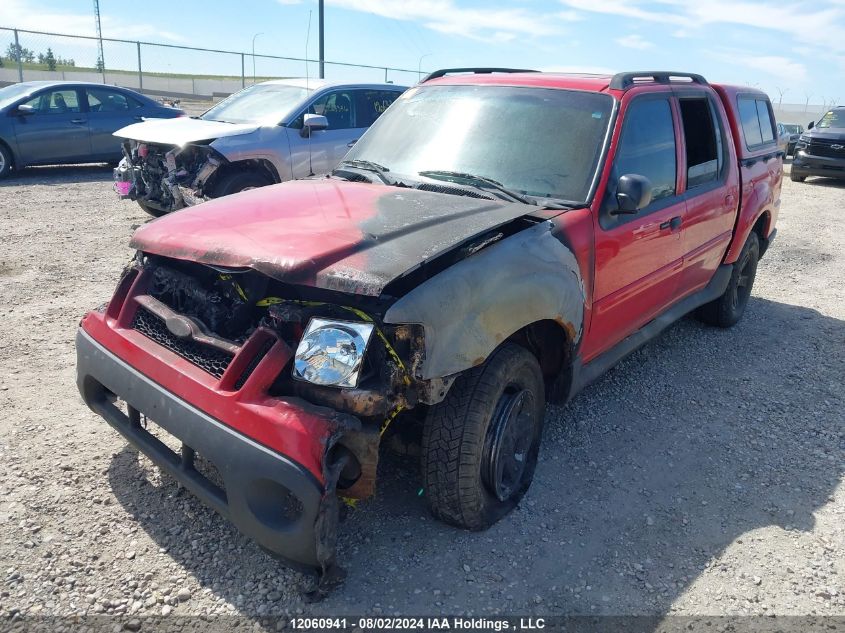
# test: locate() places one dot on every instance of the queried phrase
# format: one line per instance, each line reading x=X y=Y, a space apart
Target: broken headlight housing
x=332 y=352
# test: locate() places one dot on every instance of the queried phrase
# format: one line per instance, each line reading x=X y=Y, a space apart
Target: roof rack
x=475 y=71
x=623 y=81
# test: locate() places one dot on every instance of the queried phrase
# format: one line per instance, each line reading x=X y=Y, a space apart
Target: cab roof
x=573 y=81
x=618 y=83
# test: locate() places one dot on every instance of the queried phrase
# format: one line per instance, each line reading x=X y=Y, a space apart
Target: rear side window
x=647 y=146
x=703 y=138
x=371 y=103
x=101 y=100
x=757 y=123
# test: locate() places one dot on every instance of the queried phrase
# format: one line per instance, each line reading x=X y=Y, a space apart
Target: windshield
x=266 y=104
x=834 y=118
x=793 y=129
x=536 y=141
x=12 y=93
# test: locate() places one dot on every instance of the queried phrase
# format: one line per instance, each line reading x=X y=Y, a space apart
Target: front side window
x=338 y=107
x=647 y=147
x=55 y=102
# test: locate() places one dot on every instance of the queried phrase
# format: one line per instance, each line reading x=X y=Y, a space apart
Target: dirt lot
x=701 y=476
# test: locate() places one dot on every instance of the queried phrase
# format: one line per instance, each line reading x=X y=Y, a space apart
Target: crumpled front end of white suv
x=164 y=178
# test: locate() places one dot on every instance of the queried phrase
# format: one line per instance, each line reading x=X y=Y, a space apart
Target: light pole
x=781 y=92
x=419 y=65
x=807 y=102
x=321 y=22
x=253 y=56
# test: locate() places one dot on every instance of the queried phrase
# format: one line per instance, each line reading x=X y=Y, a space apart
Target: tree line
x=15 y=53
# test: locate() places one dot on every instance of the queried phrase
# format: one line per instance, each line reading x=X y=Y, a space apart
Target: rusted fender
x=470 y=308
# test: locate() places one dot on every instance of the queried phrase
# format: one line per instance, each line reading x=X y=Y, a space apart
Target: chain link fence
x=164 y=69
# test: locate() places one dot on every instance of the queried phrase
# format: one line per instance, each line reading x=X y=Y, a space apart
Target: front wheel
x=728 y=309
x=795 y=178
x=238 y=181
x=480 y=444
x=156 y=213
x=5 y=161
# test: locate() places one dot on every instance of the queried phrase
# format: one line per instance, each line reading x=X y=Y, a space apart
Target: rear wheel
x=5 y=161
x=480 y=444
x=728 y=309
x=238 y=181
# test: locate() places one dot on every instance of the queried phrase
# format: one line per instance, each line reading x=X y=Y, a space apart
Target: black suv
x=820 y=151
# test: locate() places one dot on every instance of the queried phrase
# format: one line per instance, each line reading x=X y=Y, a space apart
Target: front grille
x=822 y=147
x=212 y=360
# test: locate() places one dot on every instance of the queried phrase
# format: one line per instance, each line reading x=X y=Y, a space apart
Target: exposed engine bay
x=165 y=177
x=233 y=304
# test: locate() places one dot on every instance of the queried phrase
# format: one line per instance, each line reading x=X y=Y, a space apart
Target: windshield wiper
x=480 y=182
x=368 y=165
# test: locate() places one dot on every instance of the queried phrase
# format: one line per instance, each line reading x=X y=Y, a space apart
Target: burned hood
x=326 y=233
x=182 y=130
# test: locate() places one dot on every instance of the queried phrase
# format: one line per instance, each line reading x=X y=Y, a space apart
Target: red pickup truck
x=496 y=241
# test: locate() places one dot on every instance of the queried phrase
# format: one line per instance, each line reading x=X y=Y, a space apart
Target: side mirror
x=312 y=123
x=25 y=109
x=811 y=125
x=633 y=192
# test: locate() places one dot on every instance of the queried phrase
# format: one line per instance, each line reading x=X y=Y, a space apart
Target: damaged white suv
x=267 y=133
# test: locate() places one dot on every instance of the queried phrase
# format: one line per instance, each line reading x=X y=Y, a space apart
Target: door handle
x=138 y=118
x=352 y=142
x=729 y=200
x=672 y=224
x=77 y=121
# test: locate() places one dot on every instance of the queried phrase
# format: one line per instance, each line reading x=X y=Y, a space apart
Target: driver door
x=639 y=257
x=323 y=150
x=57 y=131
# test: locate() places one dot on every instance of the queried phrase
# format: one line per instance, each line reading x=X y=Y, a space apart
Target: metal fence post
x=243 y=72
x=140 y=72
x=20 y=56
x=385 y=75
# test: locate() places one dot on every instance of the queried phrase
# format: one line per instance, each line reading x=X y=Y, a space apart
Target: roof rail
x=623 y=81
x=476 y=71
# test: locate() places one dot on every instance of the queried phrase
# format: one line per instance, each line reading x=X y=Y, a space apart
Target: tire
x=237 y=181
x=5 y=161
x=156 y=213
x=795 y=178
x=728 y=309
x=474 y=471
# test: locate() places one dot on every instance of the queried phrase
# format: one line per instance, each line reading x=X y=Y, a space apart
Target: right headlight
x=332 y=352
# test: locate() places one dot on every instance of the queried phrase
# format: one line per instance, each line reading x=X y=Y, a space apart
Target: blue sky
x=796 y=47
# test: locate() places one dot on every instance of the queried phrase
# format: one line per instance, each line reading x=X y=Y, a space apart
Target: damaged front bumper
x=268 y=496
x=166 y=179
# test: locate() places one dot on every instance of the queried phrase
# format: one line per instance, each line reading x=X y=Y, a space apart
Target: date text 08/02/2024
x=421 y=623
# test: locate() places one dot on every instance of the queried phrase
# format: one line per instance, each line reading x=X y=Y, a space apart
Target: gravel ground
x=701 y=476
